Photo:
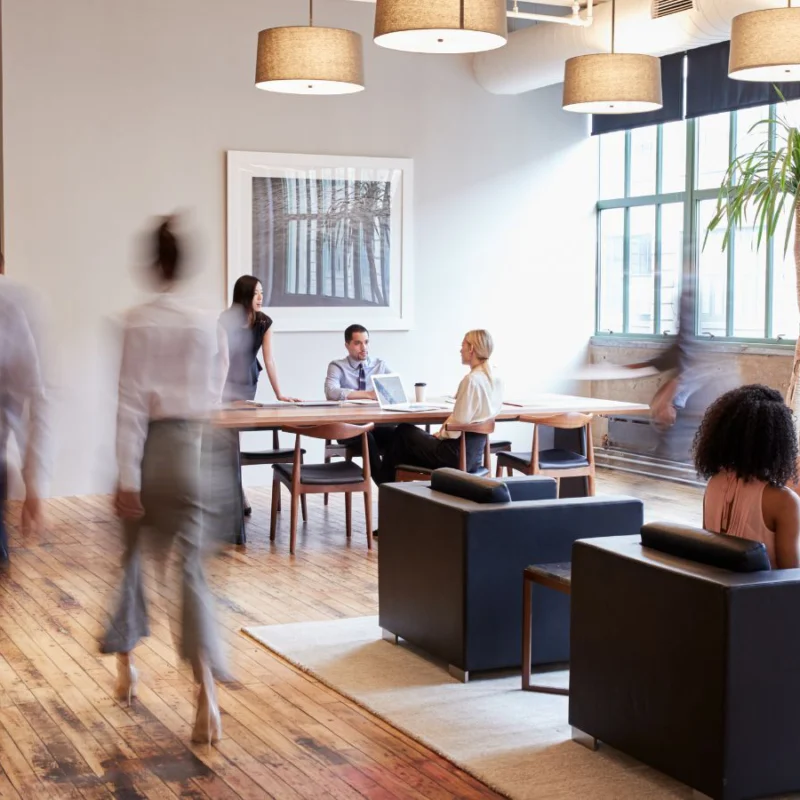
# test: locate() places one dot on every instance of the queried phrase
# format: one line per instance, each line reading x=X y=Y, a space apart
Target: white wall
x=116 y=110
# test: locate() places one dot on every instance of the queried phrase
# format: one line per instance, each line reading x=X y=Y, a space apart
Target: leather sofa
x=685 y=655
x=452 y=554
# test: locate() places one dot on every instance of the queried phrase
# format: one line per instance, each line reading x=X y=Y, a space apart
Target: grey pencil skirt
x=174 y=487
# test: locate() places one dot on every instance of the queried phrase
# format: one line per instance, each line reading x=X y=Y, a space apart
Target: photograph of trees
x=321 y=242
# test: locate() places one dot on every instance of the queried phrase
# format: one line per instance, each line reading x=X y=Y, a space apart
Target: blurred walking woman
x=165 y=390
x=248 y=330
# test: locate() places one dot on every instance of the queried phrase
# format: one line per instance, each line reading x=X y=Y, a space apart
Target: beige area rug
x=516 y=742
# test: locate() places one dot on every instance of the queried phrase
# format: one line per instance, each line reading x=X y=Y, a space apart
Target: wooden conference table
x=253 y=418
x=269 y=417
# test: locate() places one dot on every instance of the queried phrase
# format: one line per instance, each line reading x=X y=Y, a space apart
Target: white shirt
x=479 y=398
x=22 y=387
x=168 y=372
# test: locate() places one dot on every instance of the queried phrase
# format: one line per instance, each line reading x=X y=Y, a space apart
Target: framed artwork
x=329 y=237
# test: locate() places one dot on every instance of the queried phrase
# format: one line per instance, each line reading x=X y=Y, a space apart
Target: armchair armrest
x=531 y=487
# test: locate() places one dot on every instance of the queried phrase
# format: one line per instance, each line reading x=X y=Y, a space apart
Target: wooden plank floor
x=62 y=734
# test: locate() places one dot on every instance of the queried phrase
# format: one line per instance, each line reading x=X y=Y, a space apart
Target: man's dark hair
x=352 y=330
x=750 y=433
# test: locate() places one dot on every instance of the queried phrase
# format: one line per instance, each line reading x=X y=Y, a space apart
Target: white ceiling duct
x=534 y=57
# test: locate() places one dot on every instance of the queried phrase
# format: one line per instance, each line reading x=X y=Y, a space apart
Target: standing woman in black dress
x=248 y=330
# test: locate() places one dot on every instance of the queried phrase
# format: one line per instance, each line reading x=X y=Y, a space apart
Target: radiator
x=632 y=433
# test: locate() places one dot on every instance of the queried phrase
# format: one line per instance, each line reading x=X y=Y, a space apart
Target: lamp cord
x=311 y=13
x=613 y=21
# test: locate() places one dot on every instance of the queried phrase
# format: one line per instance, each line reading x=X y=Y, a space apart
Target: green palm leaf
x=757 y=185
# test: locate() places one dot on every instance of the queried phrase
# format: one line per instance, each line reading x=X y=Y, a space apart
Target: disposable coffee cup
x=419 y=392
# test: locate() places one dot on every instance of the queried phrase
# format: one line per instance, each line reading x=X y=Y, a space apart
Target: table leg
x=239 y=532
x=527 y=655
x=526 y=633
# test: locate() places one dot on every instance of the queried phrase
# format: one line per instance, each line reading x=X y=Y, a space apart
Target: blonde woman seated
x=747 y=448
x=479 y=398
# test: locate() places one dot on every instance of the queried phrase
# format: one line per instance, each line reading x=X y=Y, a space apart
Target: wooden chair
x=277 y=455
x=499 y=446
x=336 y=450
x=340 y=477
x=405 y=472
x=556 y=463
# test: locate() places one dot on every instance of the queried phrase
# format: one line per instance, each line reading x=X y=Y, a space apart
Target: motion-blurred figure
x=166 y=389
x=23 y=404
x=695 y=381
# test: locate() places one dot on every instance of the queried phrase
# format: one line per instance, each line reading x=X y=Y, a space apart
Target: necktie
x=362 y=379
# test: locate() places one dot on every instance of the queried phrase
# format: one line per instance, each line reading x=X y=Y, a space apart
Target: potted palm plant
x=761 y=188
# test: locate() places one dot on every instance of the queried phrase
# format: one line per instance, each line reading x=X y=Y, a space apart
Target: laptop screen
x=389 y=389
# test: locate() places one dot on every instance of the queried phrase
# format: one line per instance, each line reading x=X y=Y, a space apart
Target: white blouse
x=479 y=398
x=167 y=372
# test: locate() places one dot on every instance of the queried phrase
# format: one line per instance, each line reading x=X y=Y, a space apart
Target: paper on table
x=611 y=372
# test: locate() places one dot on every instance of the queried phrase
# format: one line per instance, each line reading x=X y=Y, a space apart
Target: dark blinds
x=709 y=90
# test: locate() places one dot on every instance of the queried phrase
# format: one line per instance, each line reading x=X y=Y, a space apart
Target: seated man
x=349 y=379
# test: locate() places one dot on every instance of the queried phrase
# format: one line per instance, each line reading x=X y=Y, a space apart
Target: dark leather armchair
x=452 y=557
x=685 y=655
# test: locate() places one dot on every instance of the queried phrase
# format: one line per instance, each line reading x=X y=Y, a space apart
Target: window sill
x=709 y=345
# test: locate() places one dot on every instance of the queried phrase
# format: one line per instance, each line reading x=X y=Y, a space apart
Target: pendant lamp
x=612 y=83
x=441 y=26
x=309 y=60
x=765 y=45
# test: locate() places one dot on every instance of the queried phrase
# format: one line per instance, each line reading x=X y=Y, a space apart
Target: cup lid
x=420 y=384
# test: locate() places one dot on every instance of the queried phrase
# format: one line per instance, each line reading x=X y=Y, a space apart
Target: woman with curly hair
x=747 y=448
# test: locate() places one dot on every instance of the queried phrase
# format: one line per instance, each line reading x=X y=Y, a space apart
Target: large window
x=658 y=193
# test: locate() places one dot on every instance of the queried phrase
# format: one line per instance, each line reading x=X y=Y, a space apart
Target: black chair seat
x=501 y=445
x=252 y=457
x=340 y=472
x=480 y=472
x=561 y=459
x=548 y=459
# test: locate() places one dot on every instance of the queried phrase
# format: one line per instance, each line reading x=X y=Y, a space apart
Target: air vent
x=663 y=8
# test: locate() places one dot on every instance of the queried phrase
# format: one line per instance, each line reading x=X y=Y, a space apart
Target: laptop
x=392 y=396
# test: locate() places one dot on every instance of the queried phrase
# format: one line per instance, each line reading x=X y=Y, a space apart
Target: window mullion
x=731 y=252
x=599 y=273
x=689 y=277
x=626 y=239
x=657 y=276
x=657 y=244
x=770 y=281
x=626 y=272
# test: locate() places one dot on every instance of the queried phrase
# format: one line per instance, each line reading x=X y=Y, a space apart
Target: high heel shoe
x=127 y=679
x=208 y=723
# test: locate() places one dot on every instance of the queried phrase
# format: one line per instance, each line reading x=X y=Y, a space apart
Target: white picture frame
x=330 y=238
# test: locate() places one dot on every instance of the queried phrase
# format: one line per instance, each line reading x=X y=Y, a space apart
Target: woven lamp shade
x=765 y=46
x=309 y=60
x=441 y=26
x=612 y=83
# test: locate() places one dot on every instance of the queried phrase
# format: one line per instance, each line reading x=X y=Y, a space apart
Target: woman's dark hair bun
x=167 y=250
